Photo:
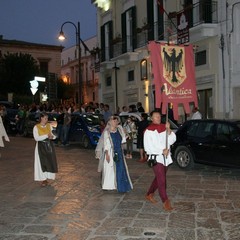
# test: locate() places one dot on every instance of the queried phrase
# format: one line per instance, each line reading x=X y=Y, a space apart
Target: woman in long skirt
x=45 y=164
x=109 y=150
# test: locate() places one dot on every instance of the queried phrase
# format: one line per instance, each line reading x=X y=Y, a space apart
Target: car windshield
x=92 y=119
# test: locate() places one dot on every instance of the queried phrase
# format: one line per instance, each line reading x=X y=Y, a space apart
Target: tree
x=16 y=70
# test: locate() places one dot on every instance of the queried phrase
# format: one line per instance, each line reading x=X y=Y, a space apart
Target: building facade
x=48 y=58
x=89 y=70
x=124 y=29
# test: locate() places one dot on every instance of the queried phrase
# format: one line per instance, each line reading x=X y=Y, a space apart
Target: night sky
x=39 y=21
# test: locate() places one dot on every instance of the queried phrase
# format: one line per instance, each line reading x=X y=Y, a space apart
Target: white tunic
x=39 y=175
x=109 y=171
x=155 y=143
x=3 y=133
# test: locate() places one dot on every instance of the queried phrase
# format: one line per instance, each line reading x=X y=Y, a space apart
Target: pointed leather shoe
x=167 y=205
x=150 y=198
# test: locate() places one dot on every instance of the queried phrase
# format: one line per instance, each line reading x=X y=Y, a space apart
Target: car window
x=75 y=119
x=223 y=132
x=92 y=120
x=204 y=129
x=235 y=133
x=192 y=128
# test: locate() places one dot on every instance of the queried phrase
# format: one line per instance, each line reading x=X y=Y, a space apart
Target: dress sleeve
x=107 y=144
x=123 y=134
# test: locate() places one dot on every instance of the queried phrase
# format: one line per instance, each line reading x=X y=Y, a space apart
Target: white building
x=125 y=27
x=89 y=70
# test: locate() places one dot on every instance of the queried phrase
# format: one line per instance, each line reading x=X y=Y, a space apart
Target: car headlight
x=93 y=129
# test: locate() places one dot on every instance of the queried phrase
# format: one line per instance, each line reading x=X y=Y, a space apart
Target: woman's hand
x=107 y=157
x=50 y=136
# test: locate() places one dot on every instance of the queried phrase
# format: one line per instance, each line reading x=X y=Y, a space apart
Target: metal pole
x=79 y=65
x=116 y=85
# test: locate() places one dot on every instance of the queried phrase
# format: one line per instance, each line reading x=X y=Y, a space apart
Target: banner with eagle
x=174 y=76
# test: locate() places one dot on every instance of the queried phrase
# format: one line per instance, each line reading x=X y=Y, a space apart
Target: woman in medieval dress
x=112 y=163
x=45 y=163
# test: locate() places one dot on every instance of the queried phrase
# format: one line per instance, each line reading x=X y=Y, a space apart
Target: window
x=128 y=29
x=192 y=129
x=130 y=75
x=108 y=81
x=205 y=129
x=106 y=39
x=44 y=68
x=201 y=58
x=155 y=20
x=223 y=132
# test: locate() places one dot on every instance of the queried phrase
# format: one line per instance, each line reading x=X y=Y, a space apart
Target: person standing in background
x=107 y=113
x=196 y=114
x=140 y=107
x=141 y=126
x=130 y=131
x=66 y=127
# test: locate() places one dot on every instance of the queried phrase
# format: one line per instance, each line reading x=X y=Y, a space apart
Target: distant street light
x=78 y=40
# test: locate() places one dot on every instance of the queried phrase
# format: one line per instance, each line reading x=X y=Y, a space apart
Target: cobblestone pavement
x=73 y=207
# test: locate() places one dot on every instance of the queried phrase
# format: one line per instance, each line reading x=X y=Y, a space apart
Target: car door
x=76 y=129
x=201 y=140
x=226 y=148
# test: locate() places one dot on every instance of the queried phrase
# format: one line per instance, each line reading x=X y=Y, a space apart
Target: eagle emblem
x=173 y=59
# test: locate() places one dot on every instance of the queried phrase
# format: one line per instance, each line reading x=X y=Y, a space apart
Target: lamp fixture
x=143 y=69
x=61 y=36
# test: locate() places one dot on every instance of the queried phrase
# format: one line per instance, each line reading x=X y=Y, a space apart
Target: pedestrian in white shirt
x=158 y=148
x=196 y=114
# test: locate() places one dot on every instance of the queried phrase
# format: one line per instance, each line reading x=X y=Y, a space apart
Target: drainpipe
x=230 y=58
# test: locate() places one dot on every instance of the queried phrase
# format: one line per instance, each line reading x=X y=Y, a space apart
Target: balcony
x=202 y=18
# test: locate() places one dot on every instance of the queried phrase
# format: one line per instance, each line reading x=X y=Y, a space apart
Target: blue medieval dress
x=115 y=172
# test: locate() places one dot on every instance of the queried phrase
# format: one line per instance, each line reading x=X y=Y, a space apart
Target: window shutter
x=150 y=20
x=103 y=43
x=134 y=27
x=110 y=37
x=124 y=33
x=160 y=23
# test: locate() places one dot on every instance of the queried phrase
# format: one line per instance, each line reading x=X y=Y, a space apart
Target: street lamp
x=78 y=40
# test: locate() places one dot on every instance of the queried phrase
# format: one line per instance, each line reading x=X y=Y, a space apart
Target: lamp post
x=78 y=41
x=116 y=85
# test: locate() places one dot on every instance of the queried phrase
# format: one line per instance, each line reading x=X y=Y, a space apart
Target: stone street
x=74 y=207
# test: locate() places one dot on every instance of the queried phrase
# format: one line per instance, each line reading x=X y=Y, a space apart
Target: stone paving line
x=74 y=207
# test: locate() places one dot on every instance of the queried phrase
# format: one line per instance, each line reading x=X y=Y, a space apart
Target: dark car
x=210 y=141
x=85 y=129
x=33 y=118
x=10 y=122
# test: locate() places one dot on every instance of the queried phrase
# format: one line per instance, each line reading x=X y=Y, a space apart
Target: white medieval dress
x=115 y=175
x=3 y=133
x=45 y=163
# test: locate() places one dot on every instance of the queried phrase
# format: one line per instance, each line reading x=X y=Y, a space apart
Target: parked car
x=10 y=121
x=85 y=129
x=137 y=117
x=7 y=104
x=210 y=141
x=33 y=118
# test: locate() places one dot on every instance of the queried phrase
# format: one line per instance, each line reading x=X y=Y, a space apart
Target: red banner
x=174 y=76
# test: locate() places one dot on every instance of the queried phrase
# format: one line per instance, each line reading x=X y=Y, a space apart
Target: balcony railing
x=198 y=13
